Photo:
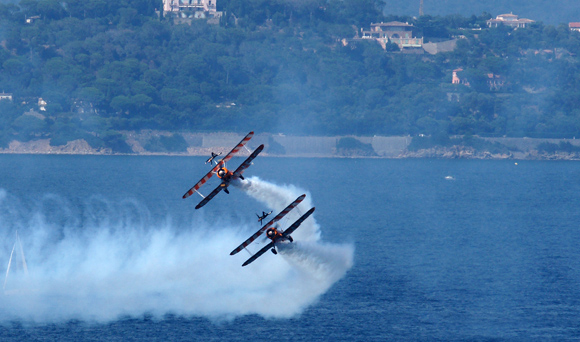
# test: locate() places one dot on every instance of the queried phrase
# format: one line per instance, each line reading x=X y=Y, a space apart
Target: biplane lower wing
x=202 y=181
x=269 y=224
x=209 y=197
x=248 y=161
x=259 y=254
x=298 y=222
x=219 y=164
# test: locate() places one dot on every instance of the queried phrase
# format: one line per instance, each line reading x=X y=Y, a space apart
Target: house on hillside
x=183 y=11
x=42 y=104
x=393 y=32
x=458 y=80
x=495 y=82
x=574 y=27
x=5 y=96
x=510 y=19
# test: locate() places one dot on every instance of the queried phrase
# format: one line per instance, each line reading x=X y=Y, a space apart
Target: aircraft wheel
x=290 y=238
x=274 y=251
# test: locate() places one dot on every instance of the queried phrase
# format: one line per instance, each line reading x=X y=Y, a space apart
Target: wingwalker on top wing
x=273 y=233
x=264 y=215
x=223 y=173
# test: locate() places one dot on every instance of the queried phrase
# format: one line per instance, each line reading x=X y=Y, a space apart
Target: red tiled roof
x=574 y=25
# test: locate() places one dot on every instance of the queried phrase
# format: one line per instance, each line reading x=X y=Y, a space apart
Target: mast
x=24 y=266
x=421 y=8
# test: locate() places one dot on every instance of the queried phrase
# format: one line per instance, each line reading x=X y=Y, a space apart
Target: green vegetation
x=172 y=143
x=275 y=147
x=274 y=66
x=561 y=147
x=441 y=140
x=353 y=147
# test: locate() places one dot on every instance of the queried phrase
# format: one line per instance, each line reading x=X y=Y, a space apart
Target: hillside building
x=183 y=11
x=574 y=27
x=42 y=104
x=458 y=80
x=393 y=32
x=494 y=81
x=5 y=96
x=510 y=19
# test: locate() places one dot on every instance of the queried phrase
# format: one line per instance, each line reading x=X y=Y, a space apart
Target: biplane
x=264 y=215
x=273 y=233
x=223 y=173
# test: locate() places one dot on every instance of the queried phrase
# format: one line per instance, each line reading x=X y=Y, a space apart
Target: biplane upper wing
x=209 y=197
x=218 y=165
x=298 y=222
x=267 y=225
x=237 y=148
x=248 y=161
x=259 y=254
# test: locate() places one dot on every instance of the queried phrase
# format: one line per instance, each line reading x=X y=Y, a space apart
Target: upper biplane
x=273 y=233
x=223 y=173
x=264 y=215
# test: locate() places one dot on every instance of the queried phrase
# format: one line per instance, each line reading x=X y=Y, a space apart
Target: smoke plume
x=106 y=260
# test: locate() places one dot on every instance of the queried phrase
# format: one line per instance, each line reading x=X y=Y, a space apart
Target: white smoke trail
x=113 y=264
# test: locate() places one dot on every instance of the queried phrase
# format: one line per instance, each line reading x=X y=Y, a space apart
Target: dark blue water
x=490 y=255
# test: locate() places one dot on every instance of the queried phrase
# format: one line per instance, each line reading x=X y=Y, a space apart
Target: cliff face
x=42 y=146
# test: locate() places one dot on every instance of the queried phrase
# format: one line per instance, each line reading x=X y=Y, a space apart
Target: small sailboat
x=16 y=261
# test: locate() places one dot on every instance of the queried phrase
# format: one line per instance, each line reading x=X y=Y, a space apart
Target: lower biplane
x=273 y=233
x=264 y=215
x=223 y=173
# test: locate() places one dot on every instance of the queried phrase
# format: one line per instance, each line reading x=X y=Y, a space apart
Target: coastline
x=308 y=147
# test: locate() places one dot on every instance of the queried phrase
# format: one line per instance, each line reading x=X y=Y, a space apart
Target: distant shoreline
x=202 y=144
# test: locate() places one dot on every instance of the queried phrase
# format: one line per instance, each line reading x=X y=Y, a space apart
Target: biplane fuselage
x=275 y=235
x=226 y=177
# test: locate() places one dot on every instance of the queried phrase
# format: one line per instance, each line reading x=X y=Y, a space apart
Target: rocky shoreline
x=457 y=152
x=324 y=147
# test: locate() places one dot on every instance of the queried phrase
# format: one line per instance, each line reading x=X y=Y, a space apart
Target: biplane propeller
x=223 y=173
x=273 y=233
x=264 y=215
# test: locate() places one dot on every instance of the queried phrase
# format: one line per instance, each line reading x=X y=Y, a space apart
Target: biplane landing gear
x=290 y=238
x=274 y=251
x=226 y=191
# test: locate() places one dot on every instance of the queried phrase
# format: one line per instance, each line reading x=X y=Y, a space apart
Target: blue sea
x=397 y=250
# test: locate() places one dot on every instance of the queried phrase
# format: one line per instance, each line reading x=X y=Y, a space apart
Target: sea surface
x=425 y=250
